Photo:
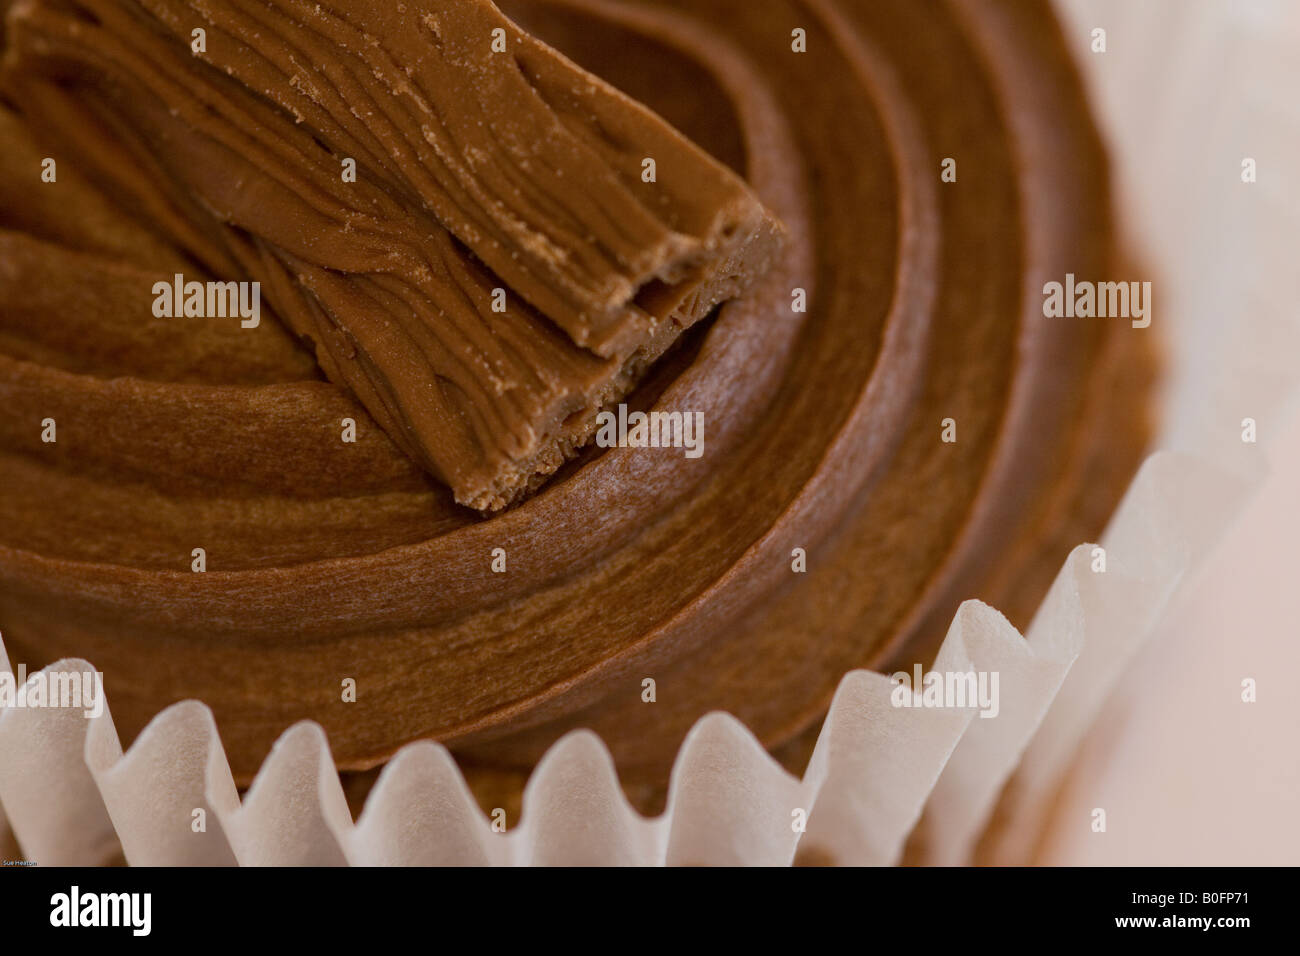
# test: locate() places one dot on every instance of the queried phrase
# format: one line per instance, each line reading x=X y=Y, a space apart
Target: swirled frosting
x=828 y=525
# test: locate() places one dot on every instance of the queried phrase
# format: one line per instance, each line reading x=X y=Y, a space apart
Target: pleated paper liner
x=71 y=796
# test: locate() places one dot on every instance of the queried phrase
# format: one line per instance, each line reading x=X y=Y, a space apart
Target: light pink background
x=1186 y=772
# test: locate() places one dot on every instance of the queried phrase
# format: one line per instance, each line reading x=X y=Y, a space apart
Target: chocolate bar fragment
x=491 y=173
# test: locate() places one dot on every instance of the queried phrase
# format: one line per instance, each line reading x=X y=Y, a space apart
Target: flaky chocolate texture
x=519 y=243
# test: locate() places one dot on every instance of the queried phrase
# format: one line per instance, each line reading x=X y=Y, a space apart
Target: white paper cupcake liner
x=72 y=797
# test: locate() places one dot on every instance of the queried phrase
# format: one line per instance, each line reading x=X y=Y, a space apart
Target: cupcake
x=454 y=373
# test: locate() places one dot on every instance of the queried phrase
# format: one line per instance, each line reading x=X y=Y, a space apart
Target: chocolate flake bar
x=490 y=172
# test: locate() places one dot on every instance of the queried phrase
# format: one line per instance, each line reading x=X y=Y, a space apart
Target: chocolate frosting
x=329 y=560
